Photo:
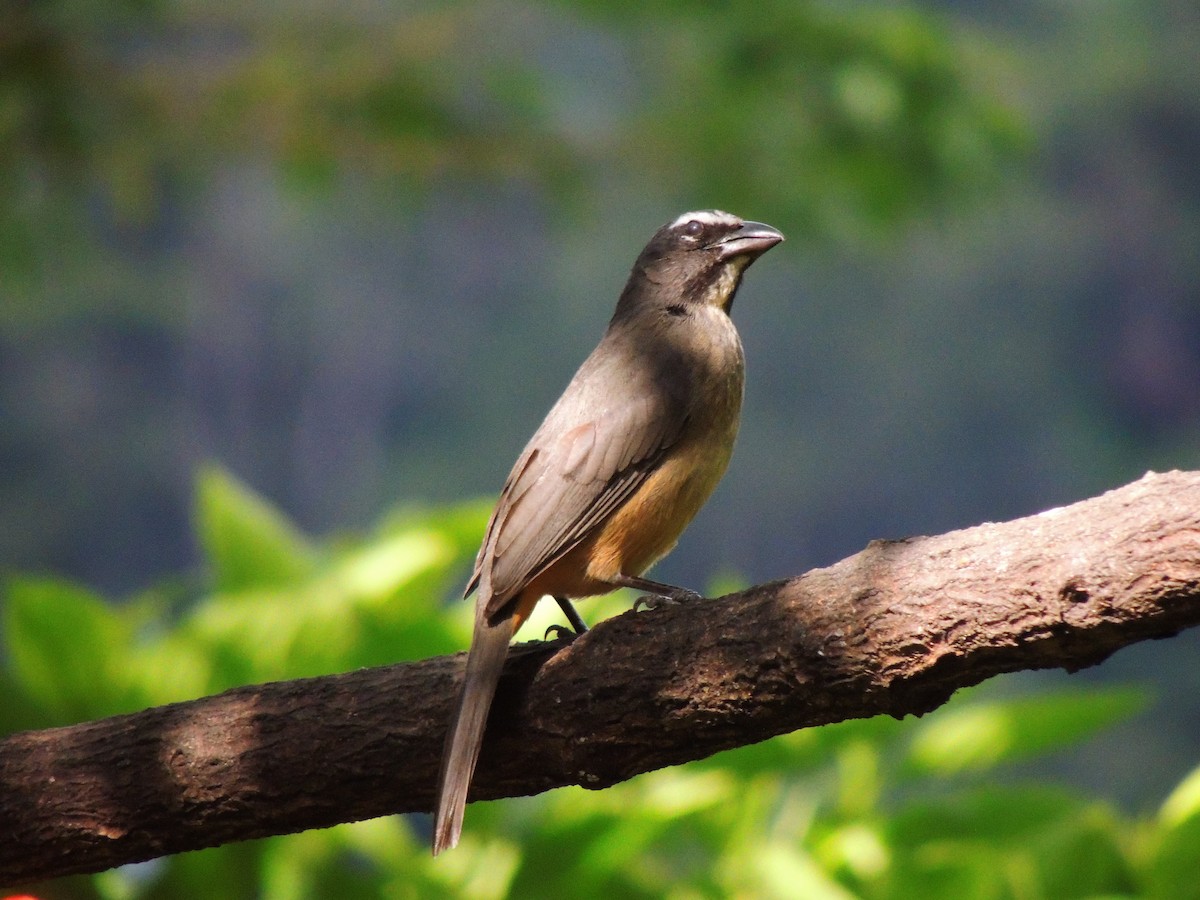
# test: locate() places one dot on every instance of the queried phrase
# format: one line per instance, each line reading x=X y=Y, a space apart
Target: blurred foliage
x=141 y=331
x=830 y=118
x=873 y=808
x=823 y=117
x=215 y=240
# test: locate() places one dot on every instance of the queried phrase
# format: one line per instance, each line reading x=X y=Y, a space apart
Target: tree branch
x=895 y=629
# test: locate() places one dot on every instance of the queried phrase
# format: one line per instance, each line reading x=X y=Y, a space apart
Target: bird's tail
x=489 y=647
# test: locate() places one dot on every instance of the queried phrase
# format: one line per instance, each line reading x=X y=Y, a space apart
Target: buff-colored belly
x=643 y=529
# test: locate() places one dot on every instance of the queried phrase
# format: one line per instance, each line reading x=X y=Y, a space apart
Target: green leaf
x=1183 y=804
x=784 y=870
x=974 y=735
x=248 y=543
x=1175 y=862
x=369 y=602
x=67 y=649
x=1174 y=857
x=1007 y=841
x=809 y=748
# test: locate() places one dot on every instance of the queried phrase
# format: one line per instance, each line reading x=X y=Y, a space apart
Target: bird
x=622 y=462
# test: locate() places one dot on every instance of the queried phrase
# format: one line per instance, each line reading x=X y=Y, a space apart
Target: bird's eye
x=693 y=228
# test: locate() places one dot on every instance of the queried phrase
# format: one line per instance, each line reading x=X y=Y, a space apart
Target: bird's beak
x=752 y=239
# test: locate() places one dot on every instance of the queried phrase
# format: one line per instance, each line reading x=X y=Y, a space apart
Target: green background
x=285 y=287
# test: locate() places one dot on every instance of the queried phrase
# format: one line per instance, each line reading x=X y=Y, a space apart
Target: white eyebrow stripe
x=708 y=217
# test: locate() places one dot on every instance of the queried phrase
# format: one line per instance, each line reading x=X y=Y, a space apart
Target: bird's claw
x=648 y=602
x=559 y=633
x=654 y=601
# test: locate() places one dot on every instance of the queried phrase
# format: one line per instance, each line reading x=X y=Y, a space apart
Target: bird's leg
x=573 y=617
x=660 y=594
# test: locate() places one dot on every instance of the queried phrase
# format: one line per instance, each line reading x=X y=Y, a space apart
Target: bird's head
x=698 y=259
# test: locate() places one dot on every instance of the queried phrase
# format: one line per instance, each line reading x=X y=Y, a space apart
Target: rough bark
x=895 y=629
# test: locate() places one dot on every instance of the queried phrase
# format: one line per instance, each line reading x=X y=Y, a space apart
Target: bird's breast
x=649 y=523
x=701 y=371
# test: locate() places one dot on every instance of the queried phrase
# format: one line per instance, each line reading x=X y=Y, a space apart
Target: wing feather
x=589 y=455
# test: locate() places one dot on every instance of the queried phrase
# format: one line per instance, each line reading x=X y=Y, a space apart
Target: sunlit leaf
x=1183 y=803
x=788 y=872
x=247 y=542
x=979 y=734
x=68 y=649
x=1175 y=860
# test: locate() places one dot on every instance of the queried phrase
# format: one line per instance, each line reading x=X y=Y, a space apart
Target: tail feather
x=489 y=647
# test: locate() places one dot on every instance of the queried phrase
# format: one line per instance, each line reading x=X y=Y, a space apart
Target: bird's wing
x=567 y=481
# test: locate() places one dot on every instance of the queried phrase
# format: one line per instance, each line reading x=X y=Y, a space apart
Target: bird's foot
x=655 y=601
x=577 y=624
